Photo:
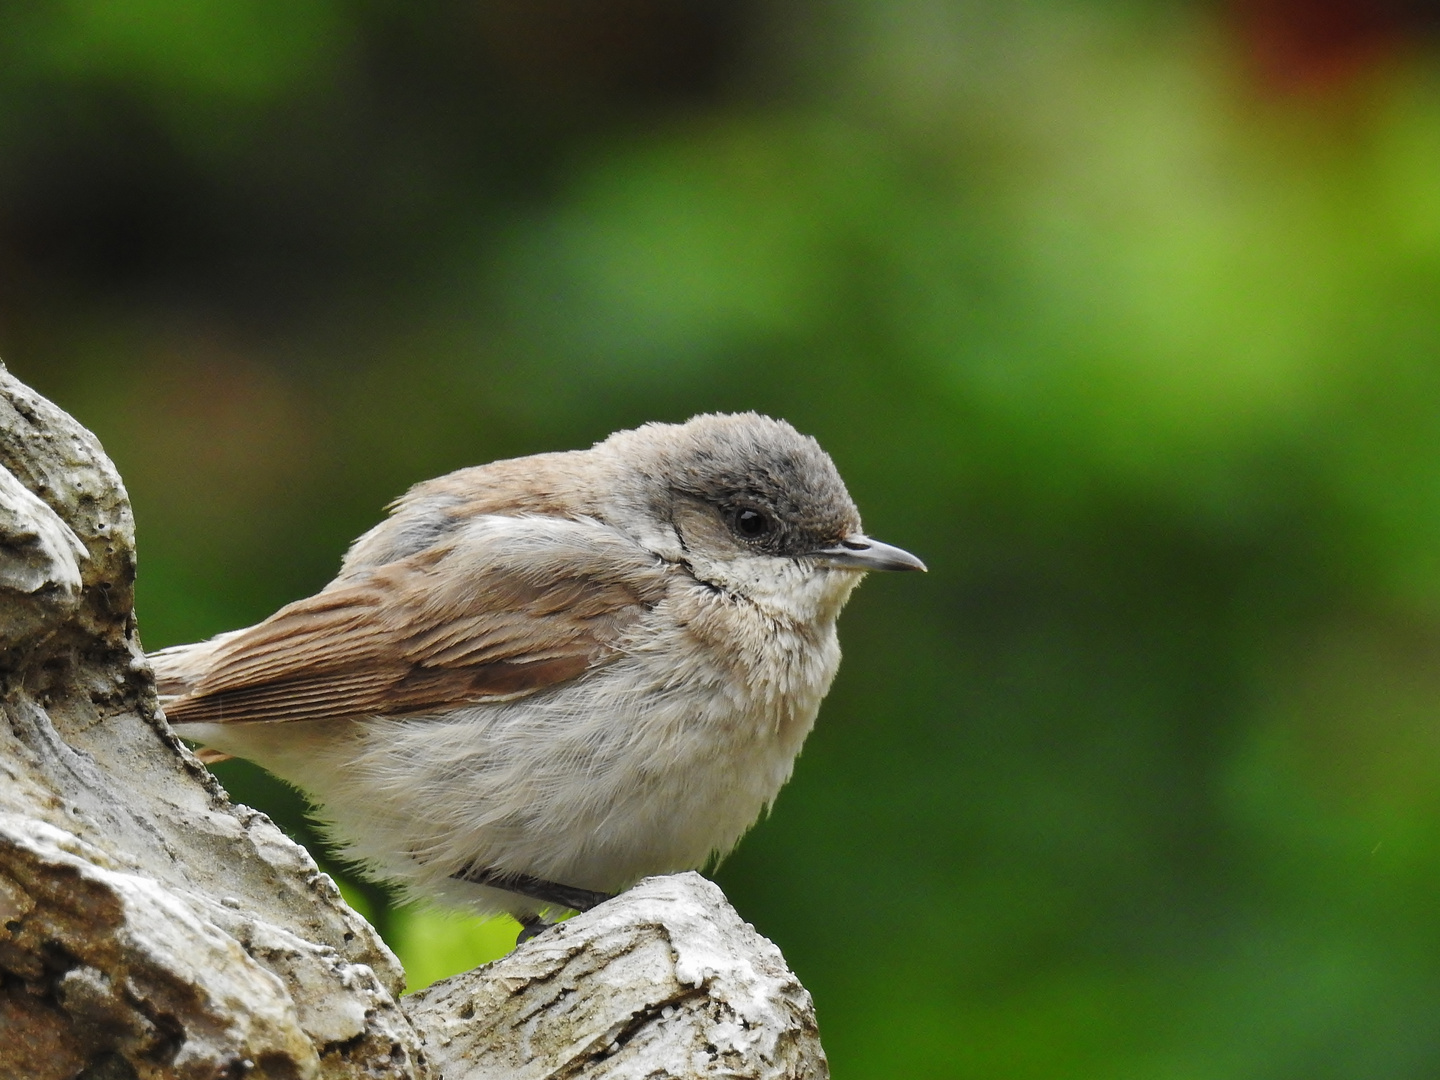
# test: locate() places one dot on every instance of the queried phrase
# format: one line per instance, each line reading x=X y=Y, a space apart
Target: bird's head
x=750 y=506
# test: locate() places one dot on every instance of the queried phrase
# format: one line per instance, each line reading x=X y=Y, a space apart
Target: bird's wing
x=503 y=607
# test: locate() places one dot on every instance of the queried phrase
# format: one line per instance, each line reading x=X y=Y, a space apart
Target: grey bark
x=151 y=928
x=663 y=981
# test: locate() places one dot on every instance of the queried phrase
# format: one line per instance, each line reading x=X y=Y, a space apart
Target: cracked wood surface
x=664 y=981
x=149 y=928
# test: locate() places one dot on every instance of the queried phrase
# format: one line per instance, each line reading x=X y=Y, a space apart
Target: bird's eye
x=752 y=524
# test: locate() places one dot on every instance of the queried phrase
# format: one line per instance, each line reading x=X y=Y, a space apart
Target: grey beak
x=861 y=553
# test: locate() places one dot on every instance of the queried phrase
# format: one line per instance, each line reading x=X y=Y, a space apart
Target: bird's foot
x=531 y=926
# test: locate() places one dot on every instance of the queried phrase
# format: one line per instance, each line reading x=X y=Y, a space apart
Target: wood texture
x=148 y=926
x=663 y=982
x=151 y=929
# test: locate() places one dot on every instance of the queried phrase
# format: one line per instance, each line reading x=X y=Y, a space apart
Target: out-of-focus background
x=1124 y=315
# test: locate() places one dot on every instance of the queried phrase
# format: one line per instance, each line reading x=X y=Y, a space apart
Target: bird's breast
x=750 y=681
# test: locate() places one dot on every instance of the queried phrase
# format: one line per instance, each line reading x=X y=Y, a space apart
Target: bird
x=542 y=679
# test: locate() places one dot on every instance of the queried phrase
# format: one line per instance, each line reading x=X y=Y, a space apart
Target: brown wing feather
x=465 y=620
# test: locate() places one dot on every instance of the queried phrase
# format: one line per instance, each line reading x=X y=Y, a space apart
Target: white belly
x=651 y=764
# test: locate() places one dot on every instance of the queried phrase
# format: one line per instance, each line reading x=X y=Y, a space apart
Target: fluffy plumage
x=584 y=667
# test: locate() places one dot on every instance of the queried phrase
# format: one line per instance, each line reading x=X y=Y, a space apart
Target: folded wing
x=503 y=607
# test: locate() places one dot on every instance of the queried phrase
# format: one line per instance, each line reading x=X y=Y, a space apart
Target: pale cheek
x=798 y=593
x=829 y=591
x=782 y=588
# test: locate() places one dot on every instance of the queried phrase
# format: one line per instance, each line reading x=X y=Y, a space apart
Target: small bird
x=541 y=679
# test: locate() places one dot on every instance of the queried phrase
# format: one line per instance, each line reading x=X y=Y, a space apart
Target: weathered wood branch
x=663 y=981
x=151 y=928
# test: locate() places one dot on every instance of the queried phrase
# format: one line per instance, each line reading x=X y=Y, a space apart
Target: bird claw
x=532 y=926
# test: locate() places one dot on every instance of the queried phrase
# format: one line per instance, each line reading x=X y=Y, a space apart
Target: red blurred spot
x=1299 y=46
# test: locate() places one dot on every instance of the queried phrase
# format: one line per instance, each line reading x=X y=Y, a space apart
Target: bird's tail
x=179 y=669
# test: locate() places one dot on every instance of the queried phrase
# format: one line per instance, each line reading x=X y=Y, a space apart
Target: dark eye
x=752 y=524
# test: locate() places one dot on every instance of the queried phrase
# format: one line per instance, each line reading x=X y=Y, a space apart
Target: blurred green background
x=1124 y=315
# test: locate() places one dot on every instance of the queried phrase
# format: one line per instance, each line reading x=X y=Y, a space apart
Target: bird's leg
x=536 y=889
x=548 y=892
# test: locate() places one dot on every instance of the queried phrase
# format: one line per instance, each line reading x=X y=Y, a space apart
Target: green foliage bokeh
x=1143 y=779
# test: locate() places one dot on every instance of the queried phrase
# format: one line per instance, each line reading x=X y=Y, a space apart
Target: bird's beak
x=859 y=552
